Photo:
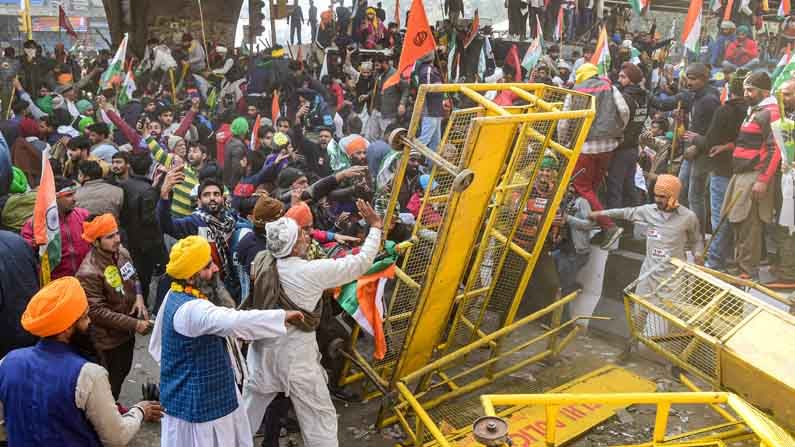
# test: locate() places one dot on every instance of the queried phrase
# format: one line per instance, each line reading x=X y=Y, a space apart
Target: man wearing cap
x=52 y=395
x=671 y=230
x=199 y=368
x=701 y=101
x=755 y=159
x=116 y=303
x=70 y=219
x=291 y=364
x=621 y=188
x=612 y=116
x=743 y=52
x=719 y=45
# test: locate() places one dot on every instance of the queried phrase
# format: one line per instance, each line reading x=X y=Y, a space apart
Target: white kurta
x=197 y=318
x=291 y=364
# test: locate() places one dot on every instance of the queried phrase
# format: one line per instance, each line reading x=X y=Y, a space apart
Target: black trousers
x=147 y=262
x=118 y=362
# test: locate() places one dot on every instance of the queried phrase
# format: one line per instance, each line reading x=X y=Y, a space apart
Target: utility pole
x=25 y=22
x=255 y=19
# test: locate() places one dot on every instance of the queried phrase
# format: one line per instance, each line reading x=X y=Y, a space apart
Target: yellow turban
x=586 y=71
x=188 y=257
x=55 y=308
x=668 y=185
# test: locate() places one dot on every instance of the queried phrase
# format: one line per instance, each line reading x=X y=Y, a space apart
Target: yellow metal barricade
x=725 y=336
x=743 y=422
x=474 y=247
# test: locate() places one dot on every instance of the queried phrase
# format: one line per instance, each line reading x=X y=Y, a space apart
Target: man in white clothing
x=291 y=364
x=197 y=377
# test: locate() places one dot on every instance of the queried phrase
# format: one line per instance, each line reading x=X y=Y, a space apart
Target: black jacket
x=701 y=106
x=637 y=100
x=19 y=281
x=724 y=129
x=139 y=216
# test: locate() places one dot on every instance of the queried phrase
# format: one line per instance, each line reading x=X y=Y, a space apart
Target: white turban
x=281 y=235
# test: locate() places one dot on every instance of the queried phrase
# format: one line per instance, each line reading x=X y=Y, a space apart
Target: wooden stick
x=204 y=36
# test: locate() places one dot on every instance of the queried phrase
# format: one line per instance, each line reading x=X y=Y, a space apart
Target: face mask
x=30 y=52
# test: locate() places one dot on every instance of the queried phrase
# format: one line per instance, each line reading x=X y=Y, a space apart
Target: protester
x=197 y=382
x=51 y=394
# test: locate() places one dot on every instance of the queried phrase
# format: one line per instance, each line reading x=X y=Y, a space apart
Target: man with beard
x=700 y=100
x=363 y=81
x=282 y=364
x=70 y=219
x=212 y=221
x=755 y=160
x=50 y=392
x=116 y=303
x=197 y=380
x=139 y=221
x=671 y=229
x=76 y=151
x=337 y=158
x=388 y=105
x=621 y=189
x=120 y=166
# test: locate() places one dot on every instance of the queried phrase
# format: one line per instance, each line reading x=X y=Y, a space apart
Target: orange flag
x=275 y=109
x=418 y=42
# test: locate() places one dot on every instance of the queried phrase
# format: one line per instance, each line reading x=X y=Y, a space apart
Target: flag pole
x=204 y=35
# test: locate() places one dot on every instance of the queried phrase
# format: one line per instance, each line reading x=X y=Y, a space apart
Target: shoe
x=122 y=409
x=344 y=395
x=611 y=236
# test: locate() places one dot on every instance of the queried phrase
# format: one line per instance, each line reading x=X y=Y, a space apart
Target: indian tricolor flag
x=112 y=76
x=363 y=299
x=533 y=54
x=557 y=34
x=639 y=5
x=691 y=34
x=784 y=8
x=46 y=227
x=128 y=87
x=601 y=57
x=254 y=141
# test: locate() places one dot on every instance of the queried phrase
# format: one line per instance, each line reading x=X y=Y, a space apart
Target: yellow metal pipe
x=610 y=398
x=661 y=421
x=488 y=407
x=720 y=411
x=430 y=367
x=538 y=136
x=514 y=247
x=551 y=427
x=421 y=414
x=482 y=101
x=758 y=424
x=406 y=279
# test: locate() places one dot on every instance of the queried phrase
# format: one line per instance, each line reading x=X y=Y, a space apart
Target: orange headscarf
x=301 y=214
x=101 y=226
x=669 y=185
x=55 y=308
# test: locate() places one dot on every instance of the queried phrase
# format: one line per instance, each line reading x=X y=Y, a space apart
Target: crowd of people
x=218 y=198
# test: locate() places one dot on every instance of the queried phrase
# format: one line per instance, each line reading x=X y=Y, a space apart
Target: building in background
x=86 y=16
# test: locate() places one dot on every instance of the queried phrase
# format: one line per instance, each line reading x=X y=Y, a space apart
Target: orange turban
x=301 y=214
x=101 y=226
x=55 y=308
x=355 y=144
x=668 y=185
